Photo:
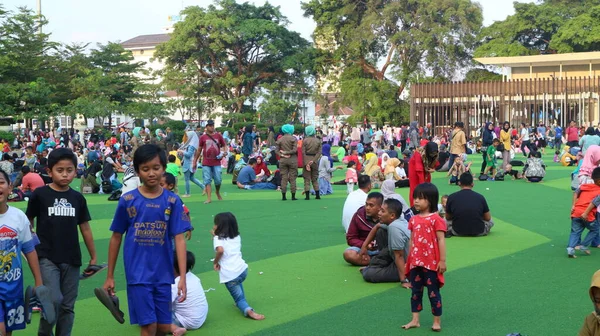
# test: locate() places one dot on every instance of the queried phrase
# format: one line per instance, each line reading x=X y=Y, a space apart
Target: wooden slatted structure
x=548 y=100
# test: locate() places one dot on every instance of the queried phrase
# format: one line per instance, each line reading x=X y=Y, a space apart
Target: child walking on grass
x=151 y=219
x=426 y=261
x=583 y=215
x=59 y=212
x=17 y=239
x=351 y=176
x=229 y=263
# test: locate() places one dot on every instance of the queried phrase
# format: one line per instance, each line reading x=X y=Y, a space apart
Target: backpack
x=483 y=177
x=106 y=187
x=517 y=163
x=16 y=196
x=499 y=176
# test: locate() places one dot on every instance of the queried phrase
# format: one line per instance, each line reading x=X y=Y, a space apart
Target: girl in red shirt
x=426 y=262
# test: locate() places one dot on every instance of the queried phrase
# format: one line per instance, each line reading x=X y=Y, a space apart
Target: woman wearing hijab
x=287 y=148
x=271 y=137
x=374 y=172
x=355 y=137
x=326 y=170
x=311 y=155
x=135 y=139
x=487 y=138
x=248 y=142
x=388 y=190
x=188 y=151
x=261 y=166
x=421 y=165
x=413 y=135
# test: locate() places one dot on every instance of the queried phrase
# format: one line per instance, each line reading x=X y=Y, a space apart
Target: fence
x=548 y=100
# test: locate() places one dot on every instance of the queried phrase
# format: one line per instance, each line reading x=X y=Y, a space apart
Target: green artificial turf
x=517 y=279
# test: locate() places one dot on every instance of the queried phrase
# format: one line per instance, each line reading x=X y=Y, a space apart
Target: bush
x=8 y=136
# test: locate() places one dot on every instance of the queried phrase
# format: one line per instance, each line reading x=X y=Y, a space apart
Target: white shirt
x=401 y=172
x=355 y=200
x=525 y=134
x=232 y=264
x=192 y=312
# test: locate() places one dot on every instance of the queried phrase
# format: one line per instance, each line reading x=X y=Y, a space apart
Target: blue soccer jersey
x=149 y=226
x=15 y=237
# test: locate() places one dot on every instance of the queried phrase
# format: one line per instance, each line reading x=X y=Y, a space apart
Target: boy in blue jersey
x=15 y=237
x=150 y=217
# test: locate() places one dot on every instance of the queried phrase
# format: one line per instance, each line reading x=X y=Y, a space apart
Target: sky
x=85 y=21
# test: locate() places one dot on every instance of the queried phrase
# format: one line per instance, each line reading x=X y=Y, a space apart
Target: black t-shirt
x=442 y=158
x=467 y=208
x=59 y=214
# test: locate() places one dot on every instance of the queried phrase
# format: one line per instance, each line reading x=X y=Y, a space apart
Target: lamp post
x=39 y=8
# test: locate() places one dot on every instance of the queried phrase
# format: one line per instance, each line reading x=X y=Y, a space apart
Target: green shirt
x=340 y=153
x=172 y=168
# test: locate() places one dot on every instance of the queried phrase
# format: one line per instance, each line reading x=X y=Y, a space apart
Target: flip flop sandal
x=91 y=270
x=42 y=293
x=28 y=304
x=111 y=303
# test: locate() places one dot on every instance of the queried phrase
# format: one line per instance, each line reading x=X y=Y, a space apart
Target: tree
x=237 y=48
x=118 y=78
x=25 y=66
x=482 y=75
x=193 y=91
x=381 y=46
x=549 y=26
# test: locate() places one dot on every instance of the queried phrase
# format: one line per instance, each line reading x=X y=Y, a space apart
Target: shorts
x=210 y=173
x=12 y=313
x=149 y=304
x=357 y=250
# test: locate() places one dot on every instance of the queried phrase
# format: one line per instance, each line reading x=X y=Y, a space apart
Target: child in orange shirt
x=583 y=215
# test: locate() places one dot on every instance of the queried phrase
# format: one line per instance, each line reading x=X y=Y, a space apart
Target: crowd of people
x=390 y=239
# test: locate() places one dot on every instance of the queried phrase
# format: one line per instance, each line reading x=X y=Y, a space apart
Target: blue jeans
x=63 y=282
x=261 y=186
x=189 y=176
x=577 y=227
x=210 y=173
x=236 y=289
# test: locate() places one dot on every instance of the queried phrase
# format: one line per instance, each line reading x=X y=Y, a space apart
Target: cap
x=210 y=123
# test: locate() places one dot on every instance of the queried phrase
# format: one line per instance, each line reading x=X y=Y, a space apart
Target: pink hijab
x=590 y=160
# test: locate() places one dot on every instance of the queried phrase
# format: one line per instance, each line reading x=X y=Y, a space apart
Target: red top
x=31 y=181
x=572 y=134
x=587 y=193
x=355 y=159
x=260 y=167
x=514 y=132
x=211 y=149
x=425 y=249
x=416 y=174
x=423 y=142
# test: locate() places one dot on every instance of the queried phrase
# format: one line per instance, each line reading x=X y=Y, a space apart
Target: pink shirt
x=351 y=175
x=31 y=181
x=572 y=134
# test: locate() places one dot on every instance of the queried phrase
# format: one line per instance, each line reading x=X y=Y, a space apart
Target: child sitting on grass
x=457 y=169
x=191 y=313
x=583 y=215
x=228 y=261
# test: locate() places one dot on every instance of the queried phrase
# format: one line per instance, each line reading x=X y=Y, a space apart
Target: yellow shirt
x=368 y=156
x=457 y=142
x=177 y=161
x=505 y=139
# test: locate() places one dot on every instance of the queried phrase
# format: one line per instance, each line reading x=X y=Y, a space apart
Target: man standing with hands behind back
x=213 y=149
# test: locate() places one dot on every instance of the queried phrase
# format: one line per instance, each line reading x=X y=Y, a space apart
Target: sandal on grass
x=44 y=297
x=111 y=302
x=91 y=270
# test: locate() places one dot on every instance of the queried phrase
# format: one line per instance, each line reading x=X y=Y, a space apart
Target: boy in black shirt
x=60 y=210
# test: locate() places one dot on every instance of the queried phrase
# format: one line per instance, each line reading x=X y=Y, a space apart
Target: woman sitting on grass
x=534 y=169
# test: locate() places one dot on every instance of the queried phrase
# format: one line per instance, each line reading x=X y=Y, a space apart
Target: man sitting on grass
x=363 y=221
x=247 y=178
x=467 y=212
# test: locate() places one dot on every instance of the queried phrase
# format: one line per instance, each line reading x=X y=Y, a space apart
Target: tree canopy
x=550 y=26
x=381 y=46
x=237 y=49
